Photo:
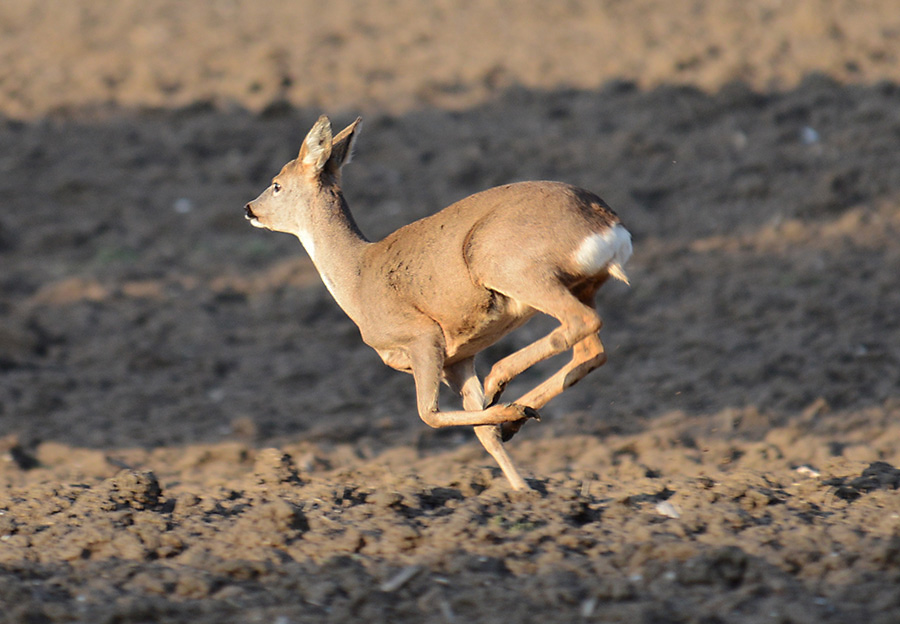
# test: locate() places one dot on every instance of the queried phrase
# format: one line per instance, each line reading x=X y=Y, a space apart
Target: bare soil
x=192 y=431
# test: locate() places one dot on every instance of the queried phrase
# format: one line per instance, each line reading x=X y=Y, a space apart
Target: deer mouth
x=248 y=214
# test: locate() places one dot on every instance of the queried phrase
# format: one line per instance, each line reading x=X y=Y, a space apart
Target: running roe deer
x=434 y=293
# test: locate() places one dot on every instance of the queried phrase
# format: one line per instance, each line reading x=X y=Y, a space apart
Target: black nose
x=248 y=212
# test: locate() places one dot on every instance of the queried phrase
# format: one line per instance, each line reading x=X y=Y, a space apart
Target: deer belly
x=484 y=327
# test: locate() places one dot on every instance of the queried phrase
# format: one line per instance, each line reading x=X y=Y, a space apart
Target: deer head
x=285 y=205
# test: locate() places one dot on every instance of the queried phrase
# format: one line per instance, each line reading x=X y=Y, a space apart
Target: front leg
x=462 y=379
x=426 y=356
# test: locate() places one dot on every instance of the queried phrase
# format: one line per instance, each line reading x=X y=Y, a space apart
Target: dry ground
x=193 y=432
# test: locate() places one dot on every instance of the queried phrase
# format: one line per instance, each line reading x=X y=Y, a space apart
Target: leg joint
x=430 y=418
x=574 y=331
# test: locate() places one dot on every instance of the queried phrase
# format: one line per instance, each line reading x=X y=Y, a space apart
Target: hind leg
x=577 y=321
x=587 y=355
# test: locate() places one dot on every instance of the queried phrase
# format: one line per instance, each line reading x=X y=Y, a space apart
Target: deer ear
x=316 y=148
x=342 y=146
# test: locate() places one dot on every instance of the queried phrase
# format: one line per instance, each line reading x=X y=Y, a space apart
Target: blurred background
x=399 y=55
x=751 y=148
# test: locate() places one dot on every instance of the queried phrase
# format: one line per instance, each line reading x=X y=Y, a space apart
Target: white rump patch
x=608 y=250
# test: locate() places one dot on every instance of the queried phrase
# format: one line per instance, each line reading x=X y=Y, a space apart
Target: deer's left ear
x=316 y=148
x=342 y=146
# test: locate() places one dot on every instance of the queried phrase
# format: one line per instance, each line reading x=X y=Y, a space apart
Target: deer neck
x=335 y=245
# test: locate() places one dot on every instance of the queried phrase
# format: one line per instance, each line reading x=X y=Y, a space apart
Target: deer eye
x=276 y=188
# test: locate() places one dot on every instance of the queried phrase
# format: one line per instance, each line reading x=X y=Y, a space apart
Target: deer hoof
x=530 y=412
x=524 y=411
x=509 y=429
x=492 y=391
